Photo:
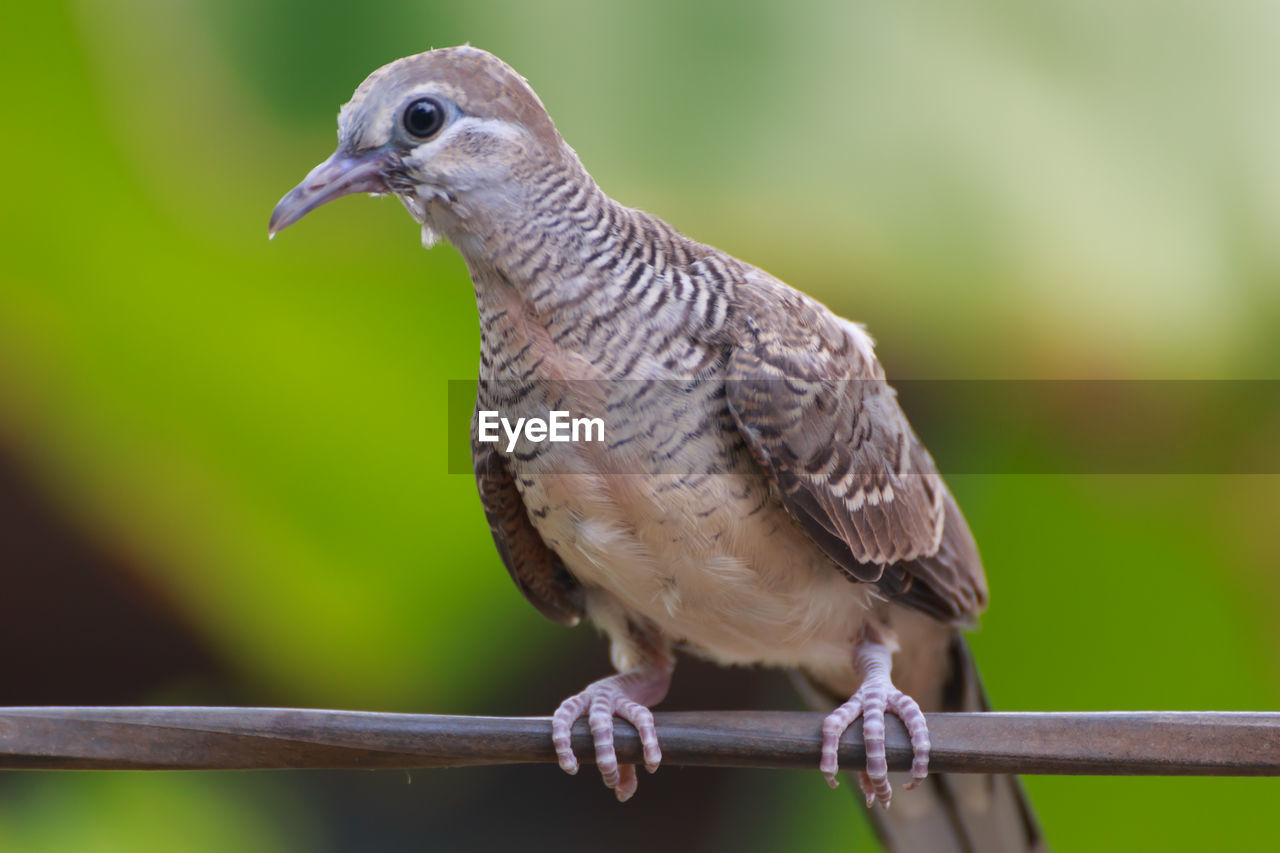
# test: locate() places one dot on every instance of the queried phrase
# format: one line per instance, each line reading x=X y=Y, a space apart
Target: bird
x=757 y=497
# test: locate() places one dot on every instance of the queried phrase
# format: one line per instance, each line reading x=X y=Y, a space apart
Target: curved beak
x=342 y=174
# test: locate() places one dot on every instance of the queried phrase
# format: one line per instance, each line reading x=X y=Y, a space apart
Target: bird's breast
x=668 y=517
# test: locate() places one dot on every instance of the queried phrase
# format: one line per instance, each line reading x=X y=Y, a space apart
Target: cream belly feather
x=736 y=593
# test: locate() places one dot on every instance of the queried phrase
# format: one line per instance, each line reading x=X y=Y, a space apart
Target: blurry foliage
x=126 y=812
x=997 y=188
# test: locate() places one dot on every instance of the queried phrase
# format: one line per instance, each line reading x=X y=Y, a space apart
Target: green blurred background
x=222 y=463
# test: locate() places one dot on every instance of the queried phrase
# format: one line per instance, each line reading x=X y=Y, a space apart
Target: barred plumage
x=759 y=497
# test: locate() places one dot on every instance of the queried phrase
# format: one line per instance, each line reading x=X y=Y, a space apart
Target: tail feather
x=951 y=813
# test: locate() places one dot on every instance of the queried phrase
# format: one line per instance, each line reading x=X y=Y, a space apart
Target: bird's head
x=435 y=128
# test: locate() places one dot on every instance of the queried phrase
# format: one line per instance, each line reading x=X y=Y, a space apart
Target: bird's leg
x=876 y=695
x=626 y=695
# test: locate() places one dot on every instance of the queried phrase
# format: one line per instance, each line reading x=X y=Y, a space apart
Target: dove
x=757 y=497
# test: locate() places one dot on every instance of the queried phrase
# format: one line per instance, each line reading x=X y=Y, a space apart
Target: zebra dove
x=759 y=497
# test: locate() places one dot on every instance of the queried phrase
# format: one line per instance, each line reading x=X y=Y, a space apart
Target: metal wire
x=196 y=738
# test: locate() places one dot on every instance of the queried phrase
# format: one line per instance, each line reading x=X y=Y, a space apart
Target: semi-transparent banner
x=969 y=426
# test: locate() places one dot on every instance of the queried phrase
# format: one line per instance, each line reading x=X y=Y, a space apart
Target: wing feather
x=811 y=401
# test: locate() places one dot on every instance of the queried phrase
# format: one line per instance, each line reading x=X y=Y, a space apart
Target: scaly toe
x=601 y=702
x=833 y=728
x=868 y=790
x=626 y=787
x=917 y=727
x=562 y=734
x=642 y=719
x=601 y=720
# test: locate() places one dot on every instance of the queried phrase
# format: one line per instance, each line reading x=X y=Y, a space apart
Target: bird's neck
x=559 y=240
x=549 y=222
x=589 y=271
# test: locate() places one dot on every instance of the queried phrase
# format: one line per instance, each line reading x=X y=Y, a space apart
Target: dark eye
x=424 y=117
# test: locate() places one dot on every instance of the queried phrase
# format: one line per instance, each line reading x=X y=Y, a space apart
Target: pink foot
x=622 y=696
x=876 y=695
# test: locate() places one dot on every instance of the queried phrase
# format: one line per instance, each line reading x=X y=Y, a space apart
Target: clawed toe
x=874 y=780
x=876 y=696
x=601 y=702
x=868 y=788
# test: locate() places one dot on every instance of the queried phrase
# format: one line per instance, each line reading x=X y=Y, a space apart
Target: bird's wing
x=535 y=568
x=810 y=399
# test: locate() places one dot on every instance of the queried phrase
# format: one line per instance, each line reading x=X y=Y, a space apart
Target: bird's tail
x=951 y=813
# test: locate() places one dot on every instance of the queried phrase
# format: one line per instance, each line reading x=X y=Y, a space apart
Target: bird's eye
x=424 y=117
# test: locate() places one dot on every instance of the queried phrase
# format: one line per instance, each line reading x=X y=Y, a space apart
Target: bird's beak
x=342 y=174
